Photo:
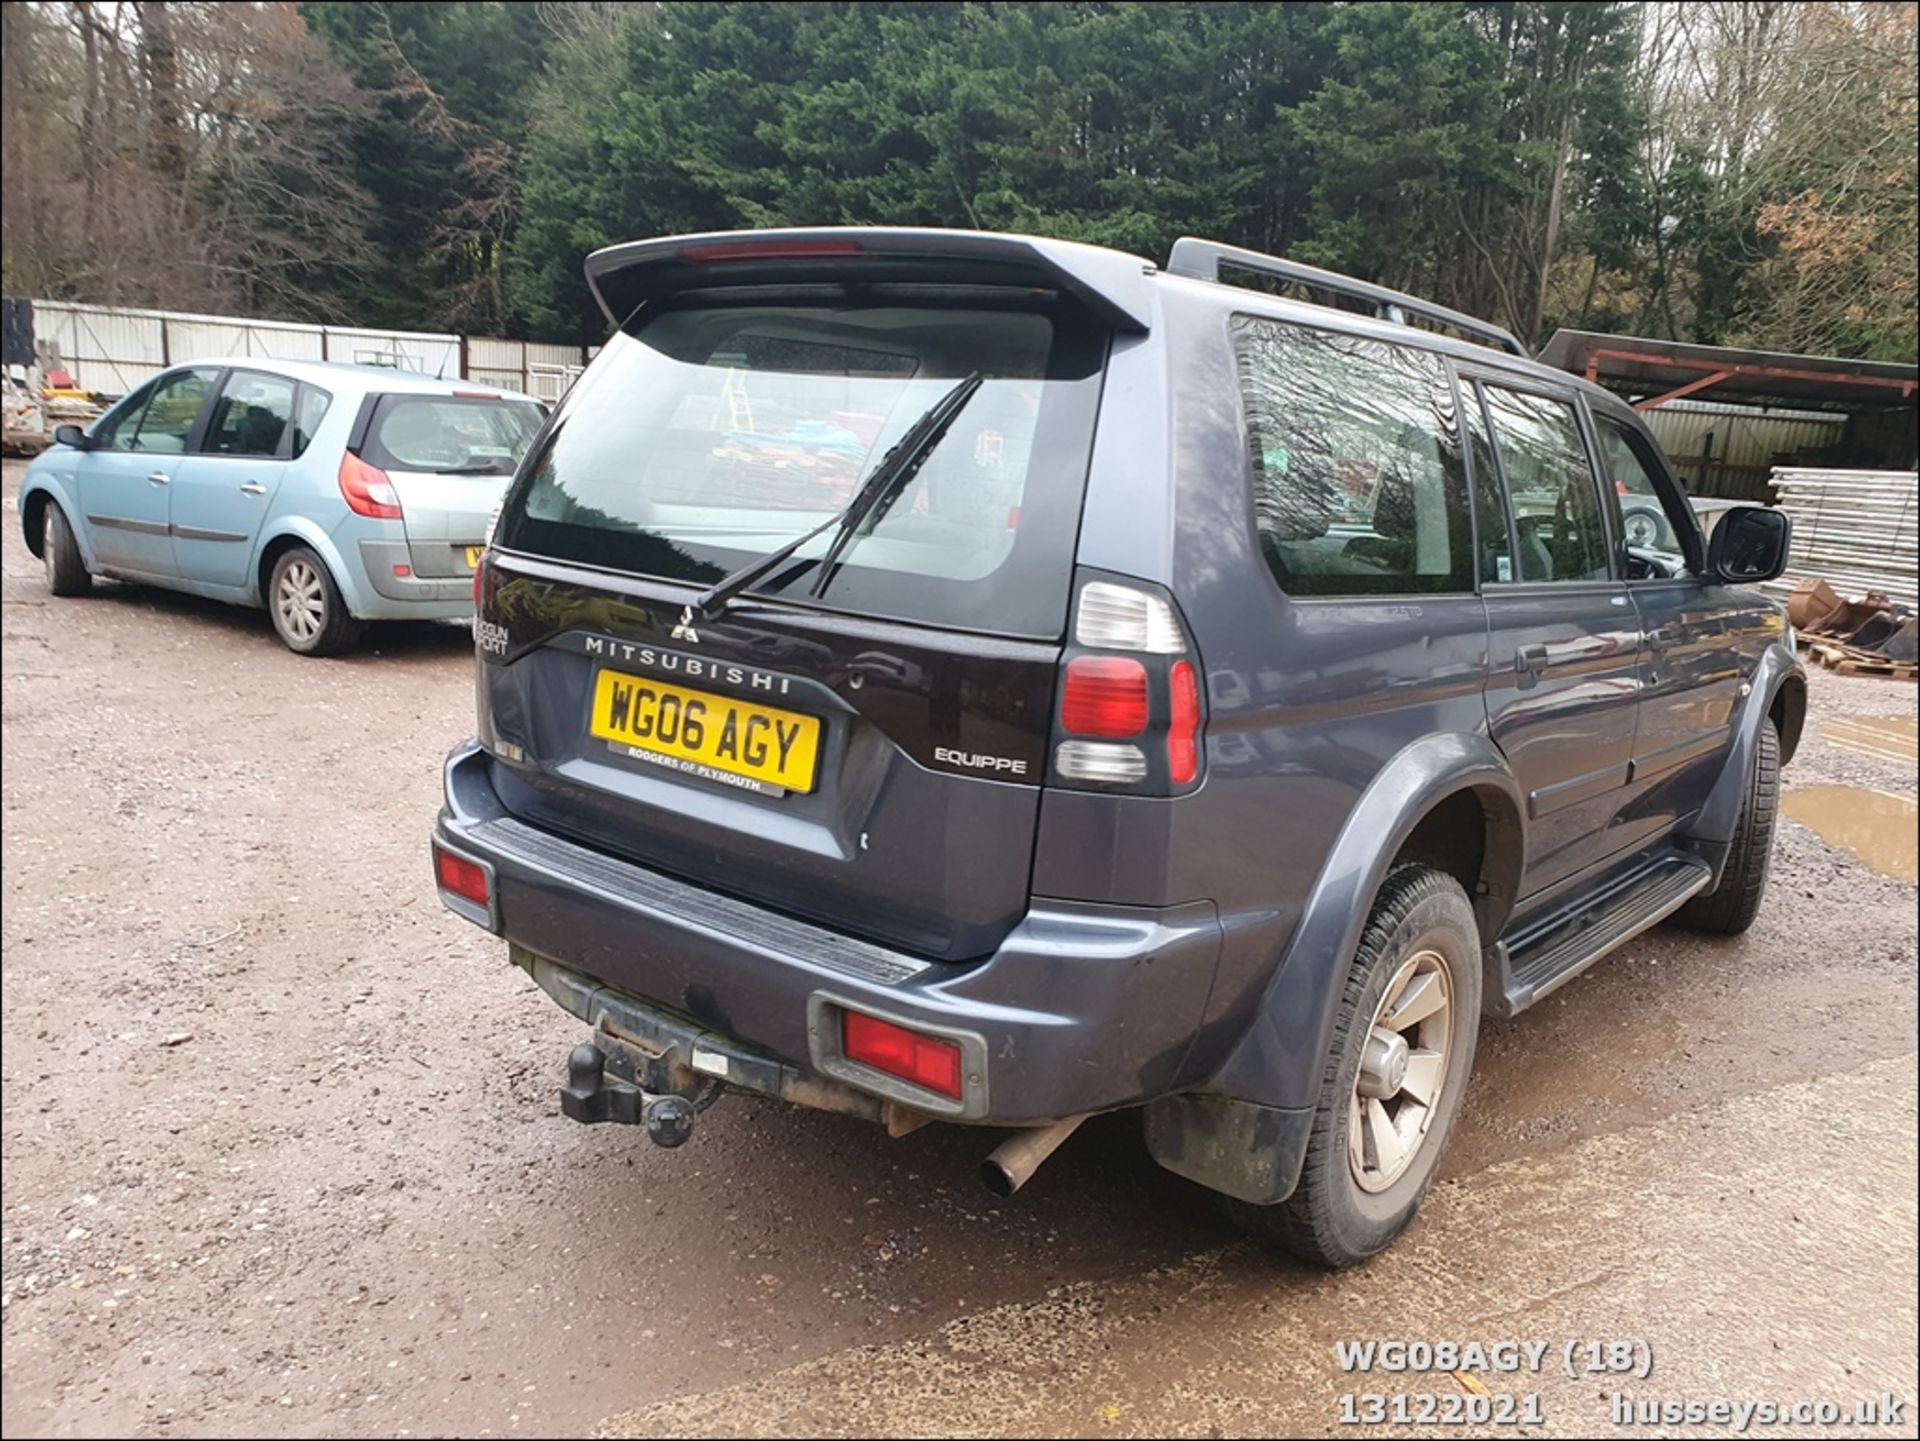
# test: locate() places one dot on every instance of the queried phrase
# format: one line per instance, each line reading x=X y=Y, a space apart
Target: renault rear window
x=450 y=434
x=716 y=433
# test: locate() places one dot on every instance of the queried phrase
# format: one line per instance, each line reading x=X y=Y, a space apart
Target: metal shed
x=1765 y=408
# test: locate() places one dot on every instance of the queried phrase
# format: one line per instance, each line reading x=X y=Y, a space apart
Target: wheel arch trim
x=40 y=490
x=1712 y=831
x=304 y=532
x=1279 y=1059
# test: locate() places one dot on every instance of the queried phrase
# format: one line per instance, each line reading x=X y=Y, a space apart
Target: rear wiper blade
x=900 y=464
x=490 y=467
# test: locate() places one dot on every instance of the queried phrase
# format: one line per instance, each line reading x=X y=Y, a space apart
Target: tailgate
x=869 y=716
x=449 y=457
x=916 y=824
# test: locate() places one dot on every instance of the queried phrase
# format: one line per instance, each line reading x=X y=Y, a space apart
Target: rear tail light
x=1132 y=720
x=479 y=580
x=367 y=489
x=920 y=1060
x=1104 y=695
x=460 y=876
x=775 y=249
x=1101 y=762
x=1118 y=617
x=1183 y=725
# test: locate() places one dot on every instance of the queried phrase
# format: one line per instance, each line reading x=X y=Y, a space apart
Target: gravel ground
x=282 y=1154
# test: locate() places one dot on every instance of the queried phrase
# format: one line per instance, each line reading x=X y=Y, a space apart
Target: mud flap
x=1251 y=1152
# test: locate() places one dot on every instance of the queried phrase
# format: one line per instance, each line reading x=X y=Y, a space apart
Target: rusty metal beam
x=1724 y=368
x=1688 y=389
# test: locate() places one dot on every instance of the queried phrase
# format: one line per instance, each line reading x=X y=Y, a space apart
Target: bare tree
x=186 y=155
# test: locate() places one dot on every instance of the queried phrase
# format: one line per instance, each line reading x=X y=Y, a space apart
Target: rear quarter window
x=1358 y=485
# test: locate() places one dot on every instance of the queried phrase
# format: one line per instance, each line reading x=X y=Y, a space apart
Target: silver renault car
x=331 y=495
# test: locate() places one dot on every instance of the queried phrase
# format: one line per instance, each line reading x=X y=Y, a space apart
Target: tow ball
x=594 y=1093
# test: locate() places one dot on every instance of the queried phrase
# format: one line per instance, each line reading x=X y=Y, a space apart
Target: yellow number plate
x=735 y=742
x=474 y=552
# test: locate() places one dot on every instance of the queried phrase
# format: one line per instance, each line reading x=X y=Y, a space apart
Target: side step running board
x=1550 y=952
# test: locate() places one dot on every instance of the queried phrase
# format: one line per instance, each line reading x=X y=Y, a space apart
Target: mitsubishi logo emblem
x=684 y=629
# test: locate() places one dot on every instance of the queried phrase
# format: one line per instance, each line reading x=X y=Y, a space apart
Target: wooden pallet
x=1846 y=660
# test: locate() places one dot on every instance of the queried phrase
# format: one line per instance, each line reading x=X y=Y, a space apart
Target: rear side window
x=251 y=415
x=449 y=434
x=1550 y=487
x=1358 y=484
x=716 y=434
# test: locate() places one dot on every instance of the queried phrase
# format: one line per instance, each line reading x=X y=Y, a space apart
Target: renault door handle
x=253 y=487
x=159 y=477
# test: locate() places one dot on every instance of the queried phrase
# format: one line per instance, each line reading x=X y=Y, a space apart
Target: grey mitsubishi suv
x=941 y=676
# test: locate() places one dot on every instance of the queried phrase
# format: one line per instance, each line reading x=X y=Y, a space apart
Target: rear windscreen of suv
x=450 y=434
x=716 y=433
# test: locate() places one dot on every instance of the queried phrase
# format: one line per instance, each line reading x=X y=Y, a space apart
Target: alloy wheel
x=1403 y=1069
x=300 y=601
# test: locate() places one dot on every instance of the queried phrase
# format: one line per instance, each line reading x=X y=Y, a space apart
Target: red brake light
x=924 y=1060
x=476 y=395
x=768 y=250
x=1183 y=730
x=1104 y=696
x=466 y=879
x=367 y=489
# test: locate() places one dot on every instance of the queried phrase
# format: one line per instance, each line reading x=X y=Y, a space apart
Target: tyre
x=1730 y=907
x=60 y=553
x=1403 y=1041
x=1645 y=526
x=308 y=613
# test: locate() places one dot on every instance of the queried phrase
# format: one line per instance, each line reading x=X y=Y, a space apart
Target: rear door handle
x=253 y=487
x=159 y=477
x=1531 y=658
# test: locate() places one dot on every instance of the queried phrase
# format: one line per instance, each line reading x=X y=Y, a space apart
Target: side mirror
x=71 y=435
x=1749 y=545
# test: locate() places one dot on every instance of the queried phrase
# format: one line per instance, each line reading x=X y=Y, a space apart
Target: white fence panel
x=402 y=349
x=543 y=353
x=114 y=350
x=196 y=339
x=505 y=379
x=107 y=350
x=485 y=352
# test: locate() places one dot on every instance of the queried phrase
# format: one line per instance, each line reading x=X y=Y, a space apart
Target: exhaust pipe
x=1013 y=1161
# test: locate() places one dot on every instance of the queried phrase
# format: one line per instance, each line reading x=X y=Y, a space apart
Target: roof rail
x=1203 y=259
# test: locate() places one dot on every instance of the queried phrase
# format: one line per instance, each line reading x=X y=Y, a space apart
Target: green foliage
x=1506 y=157
x=453 y=87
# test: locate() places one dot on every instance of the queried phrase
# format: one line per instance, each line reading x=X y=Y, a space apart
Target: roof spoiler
x=625 y=277
x=1204 y=260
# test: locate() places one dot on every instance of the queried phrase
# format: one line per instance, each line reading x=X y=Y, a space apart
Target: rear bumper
x=1082 y=1008
x=428 y=597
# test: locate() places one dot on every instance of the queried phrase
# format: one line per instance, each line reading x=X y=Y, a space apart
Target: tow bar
x=649 y=1067
x=664 y=1095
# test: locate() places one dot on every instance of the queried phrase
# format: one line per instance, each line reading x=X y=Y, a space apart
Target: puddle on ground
x=1876 y=827
x=1890 y=737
